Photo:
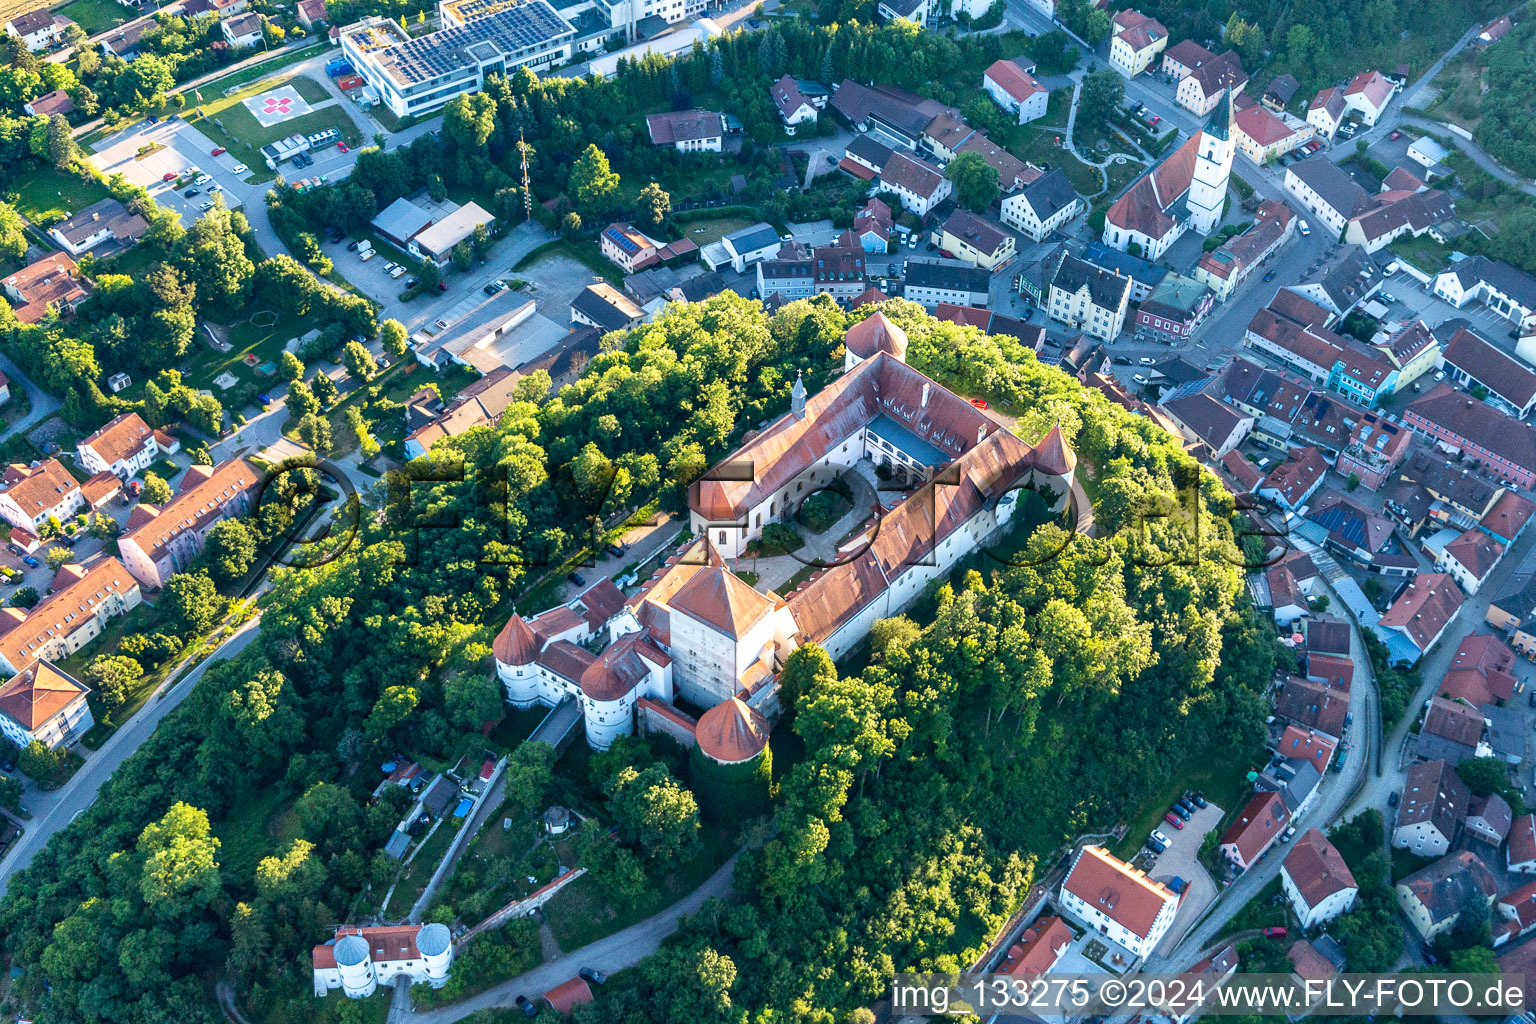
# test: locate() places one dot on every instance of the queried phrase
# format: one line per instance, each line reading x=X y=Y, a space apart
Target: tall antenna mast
x=522 y=149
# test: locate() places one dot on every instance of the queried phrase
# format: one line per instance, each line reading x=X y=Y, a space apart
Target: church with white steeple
x=1185 y=192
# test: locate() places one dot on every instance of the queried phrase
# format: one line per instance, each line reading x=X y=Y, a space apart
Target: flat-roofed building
x=436 y=242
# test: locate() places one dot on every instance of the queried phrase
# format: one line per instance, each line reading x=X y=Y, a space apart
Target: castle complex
x=698 y=632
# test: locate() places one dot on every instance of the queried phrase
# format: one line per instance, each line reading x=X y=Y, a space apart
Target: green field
x=226 y=119
x=95 y=16
x=705 y=230
x=46 y=195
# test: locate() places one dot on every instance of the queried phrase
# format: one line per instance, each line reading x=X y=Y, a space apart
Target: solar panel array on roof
x=510 y=33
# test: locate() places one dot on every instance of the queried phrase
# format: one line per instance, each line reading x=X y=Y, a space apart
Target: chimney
x=95 y=216
x=923 y=402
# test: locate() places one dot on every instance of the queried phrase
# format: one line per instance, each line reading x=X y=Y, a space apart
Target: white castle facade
x=359 y=960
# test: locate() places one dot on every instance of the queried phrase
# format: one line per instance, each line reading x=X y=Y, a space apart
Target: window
x=722 y=536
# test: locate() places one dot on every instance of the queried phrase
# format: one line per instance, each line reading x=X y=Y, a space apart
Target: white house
x=29 y=495
x=1521 y=852
x=1316 y=880
x=437 y=241
x=687 y=131
x=359 y=960
x=1326 y=111
x=1427 y=152
x=920 y=186
x=1089 y=298
x=124 y=447
x=38 y=29
x=42 y=703
x=243 y=30
x=1368 y=94
x=108 y=220
x=1507 y=290
x=1433 y=808
x=1043 y=206
x=794 y=108
x=1119 y=902
x=1013 y=87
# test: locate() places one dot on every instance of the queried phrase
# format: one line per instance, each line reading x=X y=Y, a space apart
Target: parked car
x=980 y=403
x=1160 y=836
x=412 y=283
x=15 y=549
x=1269 y=276
x=397 y=272
x=240 y=168
x=367 y=254
x=1183 y=810
x=189 y=193
x=354 y=246
x=1178 y=885
x=215 y=188
x=593 y=975
x=151 y=119
x=1392 y=798
x=490 y=289
x=1395 y=136
x=342 y=146
x=1301 y=225
x=219 y=150
x=576 y=578
x=529 y=1010
x=1155 y=844
x=1288 y=834
x=1174 y=820
x=1139 y=379
x=202 y=179
x=1274 y=933
x=168 y=176
x=206 y=206
x=1197 y=798
x=34 y=563
x=1146 y=361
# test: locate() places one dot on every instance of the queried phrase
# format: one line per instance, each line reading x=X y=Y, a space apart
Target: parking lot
x=176 y=147
x=1182 y=860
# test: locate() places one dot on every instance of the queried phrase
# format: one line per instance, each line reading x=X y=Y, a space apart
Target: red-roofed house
x=1326 y=112
x=1316 y=748
x=1118 y=901
x=1508 y=517
x=1495 y=31
x=1521 y=852
x=1519 y=907
x=1295 y=480
x=1257 y=826
x=1038 y=948
x=1263 y=136
x=1317 y=880
x=1010 y=83
x=1135 y=43
x=794 y=108
x=1469 y=559
x=1480 y=671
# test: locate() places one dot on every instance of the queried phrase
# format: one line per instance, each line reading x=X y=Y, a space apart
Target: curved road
x=65 y=803
x=43 y=404
x=614 y=953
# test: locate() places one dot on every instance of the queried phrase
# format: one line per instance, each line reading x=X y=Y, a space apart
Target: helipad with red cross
x=277 y=105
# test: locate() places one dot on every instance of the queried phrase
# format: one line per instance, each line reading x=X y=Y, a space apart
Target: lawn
x=1041 y=150
x=705 y=230
x=47 y=195
x=1423 y=252
x=1220 y=777
x=142 y=619
x=585 y=911
x=413 y=882
x=246 y=338
x=95 y=16
x=1259 y=912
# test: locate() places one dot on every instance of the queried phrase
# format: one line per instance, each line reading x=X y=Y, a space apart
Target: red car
x=342 y=146
x=1395 y=136
x=168 y=176
x=218 y=150
x=1274 y=933
x=980 y=403
x=1174 y=820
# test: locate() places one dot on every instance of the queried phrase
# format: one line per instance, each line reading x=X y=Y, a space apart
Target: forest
x=899 y=837
x=1504 y=127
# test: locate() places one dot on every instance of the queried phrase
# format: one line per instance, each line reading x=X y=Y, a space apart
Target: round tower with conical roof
x=515 y=648
x=352 y=960
x=732 y=764
x=436 y=948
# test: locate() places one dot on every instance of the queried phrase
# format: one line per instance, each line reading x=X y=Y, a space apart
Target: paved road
x=614 y=953
x=65 y=803
x=43 y=404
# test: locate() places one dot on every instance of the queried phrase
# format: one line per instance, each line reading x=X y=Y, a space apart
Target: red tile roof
x=1316 y=868
x=1422 y=610
x=1372 y=85
x=1014 y=80
x=1117 y=890
x=1257 y=825
x=1262 y=127
x=37 y=694
x=1476 y=551
x=1522 y=840
x=1038 y=948
x=731 y=732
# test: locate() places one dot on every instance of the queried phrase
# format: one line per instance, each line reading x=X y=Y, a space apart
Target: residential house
x=1398 y=213
x=1489 y=818
x=991 y=324
x=162 y=541
x=1367 y=95
x=1429 y=154
x=49 y=104
x=1495 y=31
x=915 y=11
x=243 y=30
x=31 y=495
x=1521 y=853
x=1229 y=264
x=1506 y=290
x=1376 y=447
x=1329 y=636
x=1291 y=484
x=1183 y=57
x=1135 y=41
x=38 y=30
x=1517 y=910
x=124 y=42
x=864 y=157
x=1263 y=136
x=892 y=116
x=1044 y=205
x=920 y=186
x=1351 y=281
x=1257 y=827
x=82 y=600
x=687 y=131
x=1187 y=190
x=1040 y=945
x=1433 y=897
x=1012 y=86
x=1413 y=349
x=1328 y=192
x=1307 y=746
x=1480 y=671
x=1469 y=558
x=51 y=285
x=971 y=238
x=1282 y=89
x=1432 y=809
x=1417 y=619
x=311 y=13
x=873 y=226
x=929 y=284
x=626 y=247
x=1201 y=89
x=1286 y=599
x=1315 y=878
x=794 y=108
x=105 y=221
x=1505 y=730
x=1116 y=900
x=125 y=447
x=44 y=704
x=791 y=276
x=479 y=405
x=1175 y=308
x=741 y=249
x=1451 y=732
x=1472 y=362
x=1313 y=704
x=1089 y=298
x=606 y=308
x=839 y=271
x=1144 y=274
x=1363 y=537
x=1207 y=421
x=1326 y=112
x=1459 y=423
x=1508 y=518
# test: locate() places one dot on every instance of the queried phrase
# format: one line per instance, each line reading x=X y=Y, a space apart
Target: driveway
x=616 y=952
x=1182 y=860
x=43 y=404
